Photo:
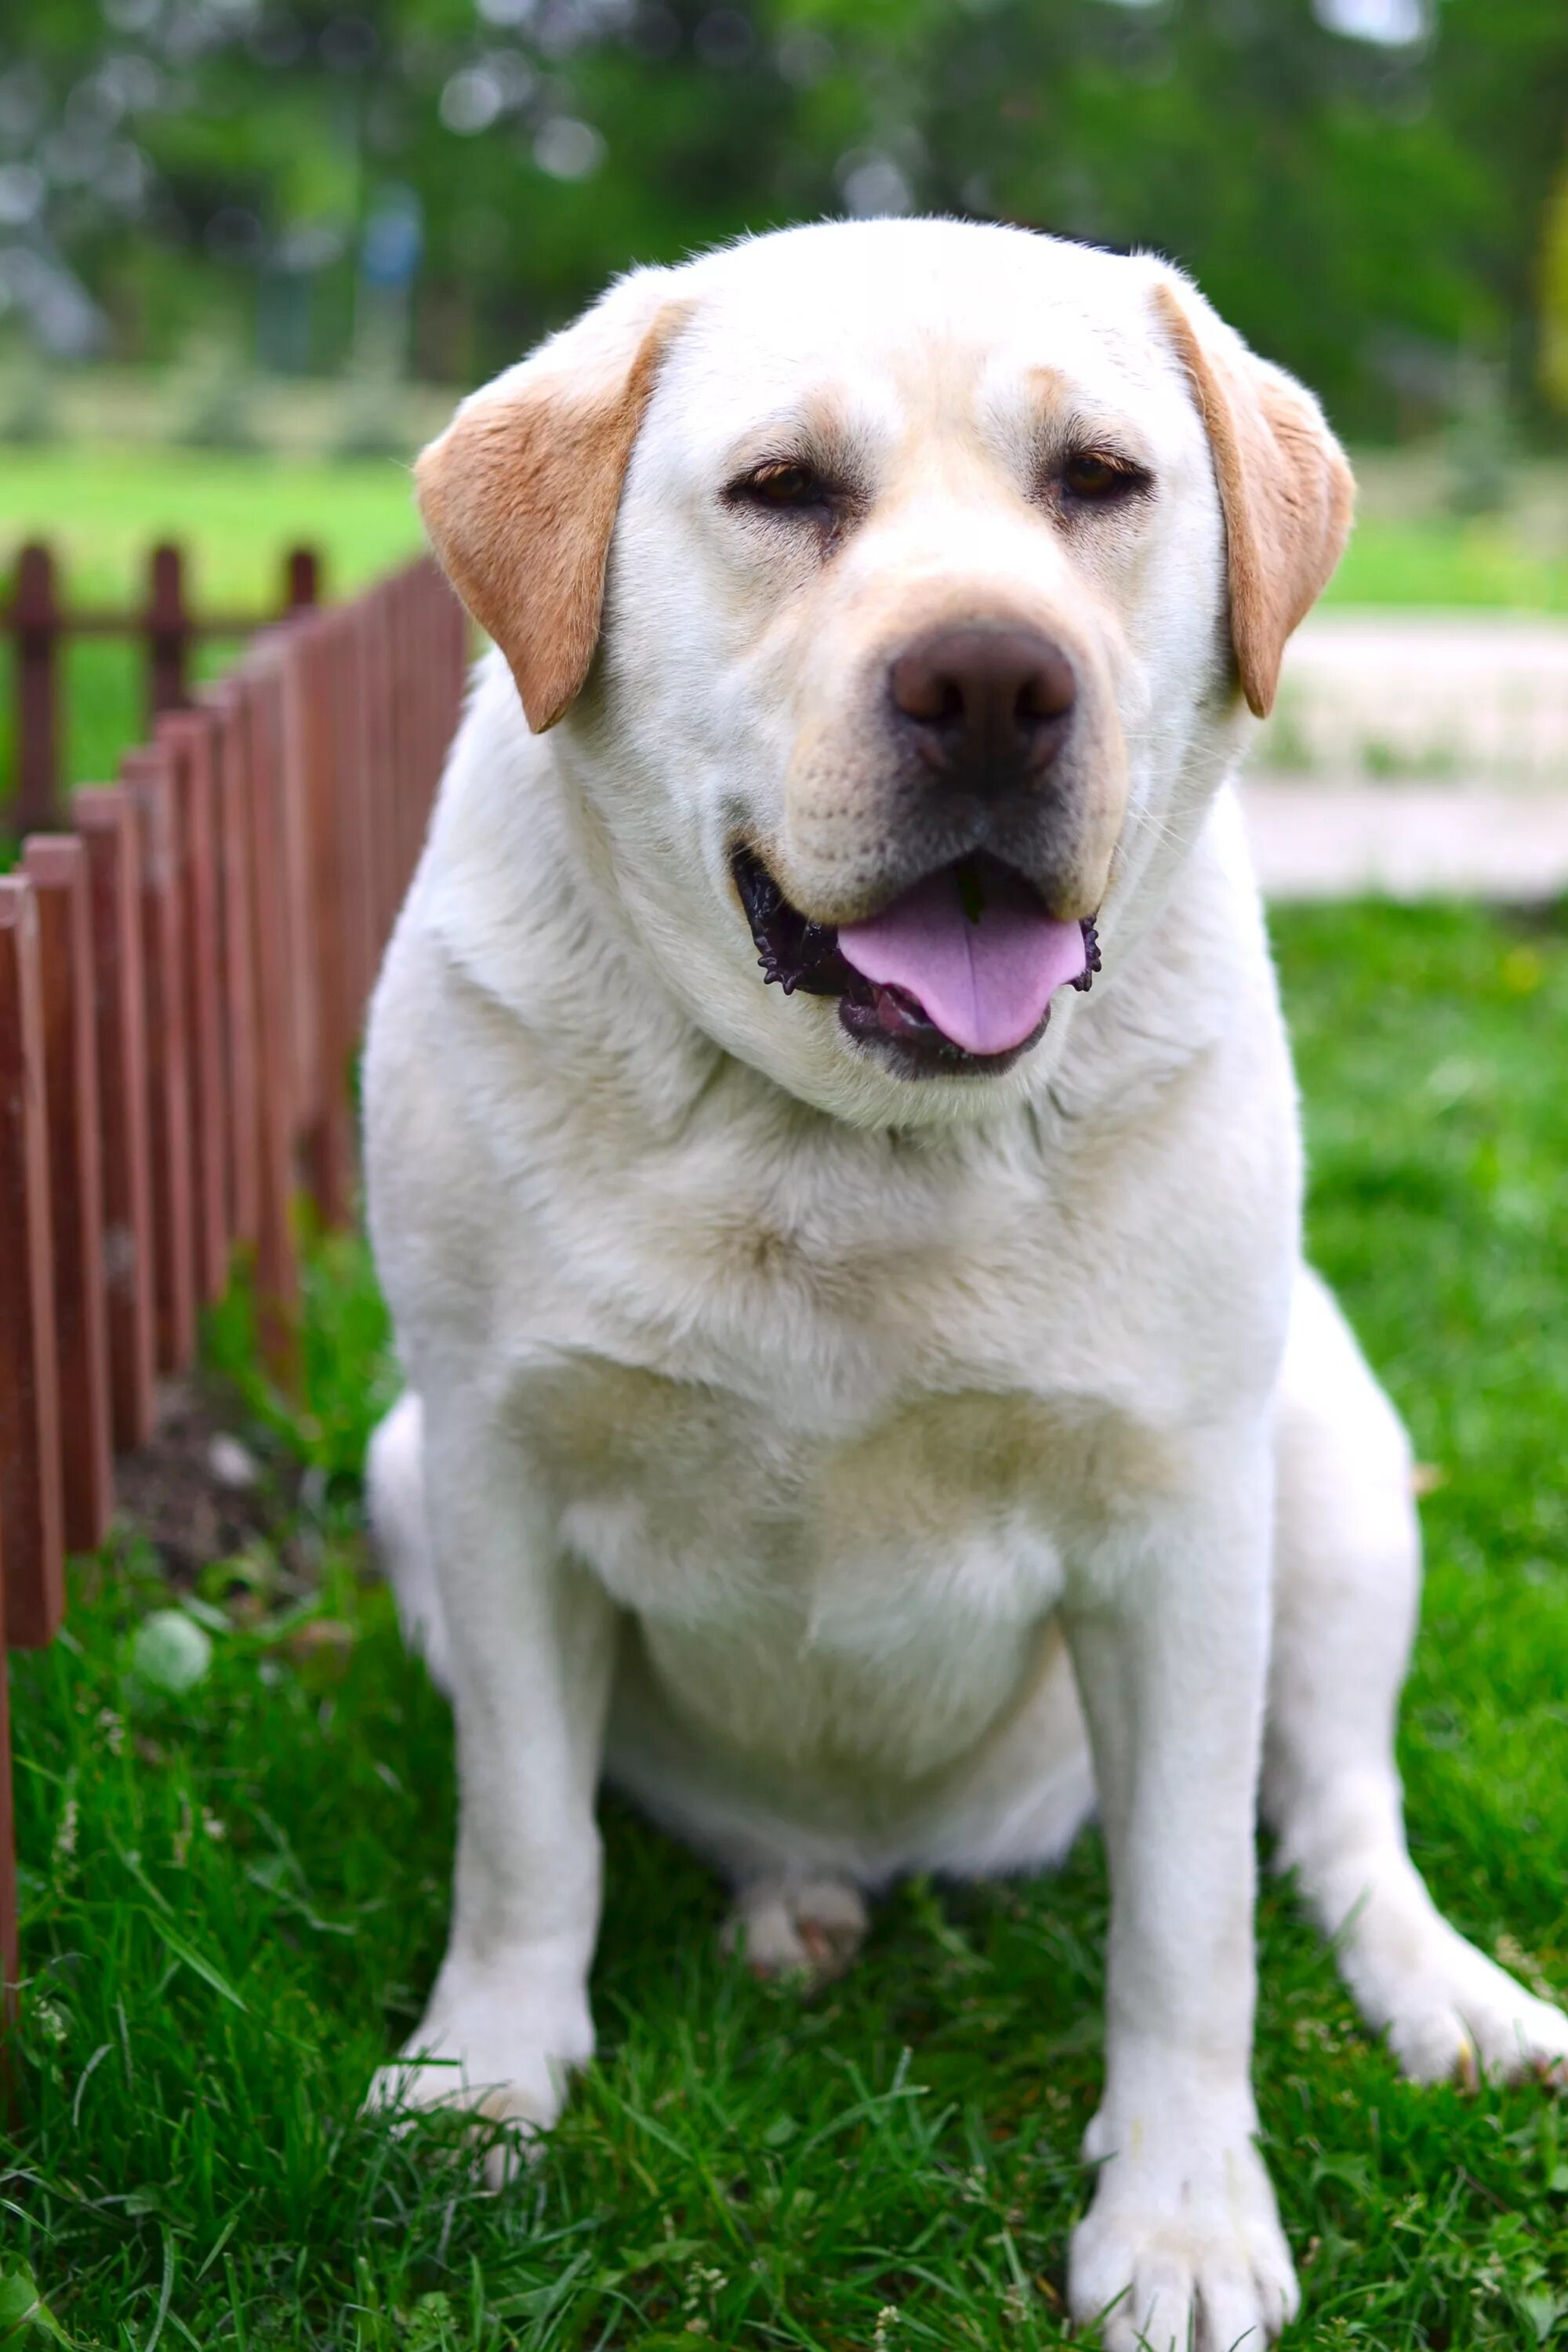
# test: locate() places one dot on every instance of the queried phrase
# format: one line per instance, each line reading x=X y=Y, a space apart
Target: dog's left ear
x=520 y=493
x=1285 y=485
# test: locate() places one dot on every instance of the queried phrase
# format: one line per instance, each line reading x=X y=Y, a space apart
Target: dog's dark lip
x=798 y=953
x=791 y=949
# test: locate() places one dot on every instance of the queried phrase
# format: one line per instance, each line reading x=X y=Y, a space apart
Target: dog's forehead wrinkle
x=841 y=427
x=877 y=269
x=881 y=343
x=971 y=404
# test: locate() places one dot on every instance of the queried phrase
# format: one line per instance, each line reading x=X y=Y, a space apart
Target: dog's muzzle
x=954 y=976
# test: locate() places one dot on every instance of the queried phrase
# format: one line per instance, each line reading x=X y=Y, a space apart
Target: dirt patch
x=198 y=1492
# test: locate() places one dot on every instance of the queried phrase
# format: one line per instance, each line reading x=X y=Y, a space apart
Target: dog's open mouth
x=956 y=974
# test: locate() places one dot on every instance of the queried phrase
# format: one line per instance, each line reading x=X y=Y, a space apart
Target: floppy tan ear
x=1285 y=485
x=520 y=493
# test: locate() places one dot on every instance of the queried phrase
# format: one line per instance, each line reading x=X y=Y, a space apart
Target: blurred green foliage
x=431 y=182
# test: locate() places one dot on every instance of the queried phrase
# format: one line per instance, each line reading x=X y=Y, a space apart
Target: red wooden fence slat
x=406 y=669
x=301 y=580
x=282 y=655
x=57 y=867
x=462 y=657
x=186 y=736
x=401 y=746
x=355 y=762
x=428 y=678
x=169 y=631
x=449 y=695
x=381 y=735
x=31 y=1506
x=330 y=1142
x=239 y=1030
x=452 y=630
x=276 y=1261
x=9 y=1957
x=424 y=690
x=404 y=744
x=149 y=778
x=105 y=819
x=35 y=623
x=416 y=721
x=448 y=688
x=421 y=691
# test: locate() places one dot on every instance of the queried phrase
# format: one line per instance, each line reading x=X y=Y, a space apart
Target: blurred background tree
x=1373 y=190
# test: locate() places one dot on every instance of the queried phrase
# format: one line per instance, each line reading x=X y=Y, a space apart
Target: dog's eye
x=1097 y=480
x=781 y=484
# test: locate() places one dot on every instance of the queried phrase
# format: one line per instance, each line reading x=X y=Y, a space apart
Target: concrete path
x=1316 y=840
x=1417 y=755
x=1436 y=697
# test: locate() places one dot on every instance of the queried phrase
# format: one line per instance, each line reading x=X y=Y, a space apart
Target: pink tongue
x=984 y=985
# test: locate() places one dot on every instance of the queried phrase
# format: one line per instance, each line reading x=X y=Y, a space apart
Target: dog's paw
x=1458 y=2017
x=503 y=2055
x=811 y=1929
x=1182 y=2248
x=426 y=2082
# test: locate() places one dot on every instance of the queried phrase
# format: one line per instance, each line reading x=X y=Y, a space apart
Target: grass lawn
x=1436 y=560
x=236 y=1899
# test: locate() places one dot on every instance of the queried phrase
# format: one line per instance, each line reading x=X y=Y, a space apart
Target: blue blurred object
x=394 y=238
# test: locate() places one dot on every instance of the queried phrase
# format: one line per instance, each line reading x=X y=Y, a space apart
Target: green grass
x=1411 y=561
x=234 y=1901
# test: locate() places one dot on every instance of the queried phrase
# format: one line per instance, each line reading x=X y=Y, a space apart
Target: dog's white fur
x=841 y=1461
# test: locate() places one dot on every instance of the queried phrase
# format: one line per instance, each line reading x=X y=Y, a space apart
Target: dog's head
x=898 y=584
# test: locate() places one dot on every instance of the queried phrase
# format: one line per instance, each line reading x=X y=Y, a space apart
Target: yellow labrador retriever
x=834 y=1163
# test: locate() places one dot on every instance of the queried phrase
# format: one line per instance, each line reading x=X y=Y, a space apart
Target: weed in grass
x=236 y=1892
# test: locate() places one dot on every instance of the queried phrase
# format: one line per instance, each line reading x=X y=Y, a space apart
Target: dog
x=833 y=1161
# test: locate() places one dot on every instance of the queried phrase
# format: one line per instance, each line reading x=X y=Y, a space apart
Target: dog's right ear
x=520 y=493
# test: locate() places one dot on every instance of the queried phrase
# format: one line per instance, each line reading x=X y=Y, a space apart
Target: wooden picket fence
x=184 y=972
x=166 y=627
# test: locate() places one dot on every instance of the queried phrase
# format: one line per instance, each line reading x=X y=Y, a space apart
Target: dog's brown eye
x=785 y=486
x=808 y=508
x=1091 y=476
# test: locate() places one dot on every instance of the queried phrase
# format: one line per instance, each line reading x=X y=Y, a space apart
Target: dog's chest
x=690 y=1498
x=872 y=1597
x=830 y=1456
x=899 y=1401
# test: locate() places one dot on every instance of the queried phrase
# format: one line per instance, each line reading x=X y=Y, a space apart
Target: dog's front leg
x=1169 y=1637
x=532 y=1643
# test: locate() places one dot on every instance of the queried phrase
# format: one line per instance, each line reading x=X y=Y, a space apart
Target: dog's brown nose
x=989 y=706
